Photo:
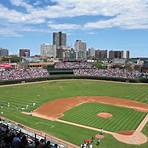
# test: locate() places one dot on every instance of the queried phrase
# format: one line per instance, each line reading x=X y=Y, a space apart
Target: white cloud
x=127 y=14
x=8 y=32
x=133 y=17
x=64 y=26
x=18 y=17
x=21 y=3
x=37 y=3
x=16 y=30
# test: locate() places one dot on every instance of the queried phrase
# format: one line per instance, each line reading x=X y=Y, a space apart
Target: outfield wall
x=58 y=77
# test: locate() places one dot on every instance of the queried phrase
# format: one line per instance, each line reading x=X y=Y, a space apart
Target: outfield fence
x=59 y=77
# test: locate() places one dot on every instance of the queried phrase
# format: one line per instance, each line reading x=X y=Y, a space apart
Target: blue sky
x=103 y=24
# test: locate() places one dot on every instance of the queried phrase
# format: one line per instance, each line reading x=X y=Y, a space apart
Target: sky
x=103 y=24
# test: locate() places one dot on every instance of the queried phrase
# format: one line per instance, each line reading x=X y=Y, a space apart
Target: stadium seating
x=19 y=74
x=12 y=136
x=115 y=73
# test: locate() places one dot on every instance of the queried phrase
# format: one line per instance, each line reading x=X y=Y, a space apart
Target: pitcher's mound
x=104 y=115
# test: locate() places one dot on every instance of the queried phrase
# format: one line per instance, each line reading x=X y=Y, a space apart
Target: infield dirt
x=55 y=109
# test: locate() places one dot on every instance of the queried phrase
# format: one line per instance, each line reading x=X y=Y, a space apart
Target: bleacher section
x=69 y=70
x=16 y=136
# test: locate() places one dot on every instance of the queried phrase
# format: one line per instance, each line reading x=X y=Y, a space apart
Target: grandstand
x=13 y=135
x=73 y=69
x=22 y=73
x=17 y=100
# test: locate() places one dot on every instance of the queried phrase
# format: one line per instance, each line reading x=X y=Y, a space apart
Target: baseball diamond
x=78 y=119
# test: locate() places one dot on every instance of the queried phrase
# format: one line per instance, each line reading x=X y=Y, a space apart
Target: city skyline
x=101 y=24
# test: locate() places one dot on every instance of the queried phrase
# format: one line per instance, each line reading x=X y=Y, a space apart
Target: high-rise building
x=116 y=54
x=59 y=39
x=127 y=54
x=72 y=55
x=101 y=54
x=79 y=45
x=80 y=49
x=48 y=50
x=69 y=55
x=4 y=52
x=24 y=52
x=91 y=53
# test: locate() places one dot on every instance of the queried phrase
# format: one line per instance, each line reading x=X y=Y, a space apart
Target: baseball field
x=69 y=109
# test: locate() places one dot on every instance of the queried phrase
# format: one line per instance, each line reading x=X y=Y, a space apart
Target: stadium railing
x=35 y=134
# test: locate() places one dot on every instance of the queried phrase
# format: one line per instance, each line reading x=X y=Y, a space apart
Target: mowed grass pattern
x=123 y=118
x=22 y=95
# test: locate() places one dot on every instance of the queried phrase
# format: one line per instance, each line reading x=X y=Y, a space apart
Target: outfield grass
x=123 y=118
x=72 y=134
x=22 y=95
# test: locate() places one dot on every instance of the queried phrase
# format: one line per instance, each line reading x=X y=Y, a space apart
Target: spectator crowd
x=79 y=69
x=18 y=74
x=88 y=69
x=73 y=65
x=12 y=138
x=114 y=73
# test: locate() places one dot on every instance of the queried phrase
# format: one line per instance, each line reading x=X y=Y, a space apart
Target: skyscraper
x=101 y=54
x=91 y=53
x=127 y=54
x=116 y=54
x=80 y=49
x=4 y=52
x=48 y=50
x=59 y=39
x=24 y=52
